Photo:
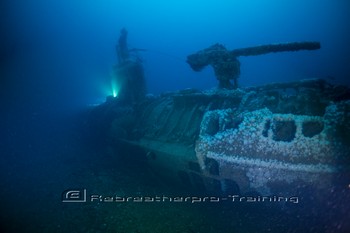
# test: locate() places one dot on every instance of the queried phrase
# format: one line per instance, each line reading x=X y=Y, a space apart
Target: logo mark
x=74 y=195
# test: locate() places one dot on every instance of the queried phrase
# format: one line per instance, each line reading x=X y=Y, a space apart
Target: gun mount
x=226 y=64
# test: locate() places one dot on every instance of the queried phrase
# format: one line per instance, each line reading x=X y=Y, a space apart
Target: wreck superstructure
x=273 y=139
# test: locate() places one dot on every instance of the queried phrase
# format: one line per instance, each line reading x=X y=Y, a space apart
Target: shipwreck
x=274 y=139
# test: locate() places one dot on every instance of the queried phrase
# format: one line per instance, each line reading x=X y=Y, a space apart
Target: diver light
x=115 y=93
x=115 y=86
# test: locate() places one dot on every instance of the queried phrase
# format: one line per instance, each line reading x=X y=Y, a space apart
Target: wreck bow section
x=274 y=139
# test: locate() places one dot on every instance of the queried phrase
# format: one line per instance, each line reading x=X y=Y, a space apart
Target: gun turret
x=227 y=66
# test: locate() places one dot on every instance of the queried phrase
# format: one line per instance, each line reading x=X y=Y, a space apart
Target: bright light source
x=115 y=86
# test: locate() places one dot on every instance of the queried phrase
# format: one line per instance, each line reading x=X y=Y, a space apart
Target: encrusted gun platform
x=226 y=64
x=274 y=139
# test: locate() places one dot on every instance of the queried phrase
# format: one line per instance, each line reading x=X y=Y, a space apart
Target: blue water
x=57 y=57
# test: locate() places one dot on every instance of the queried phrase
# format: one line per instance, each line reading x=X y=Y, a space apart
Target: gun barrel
x=274 y=48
